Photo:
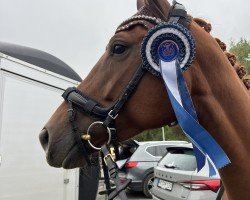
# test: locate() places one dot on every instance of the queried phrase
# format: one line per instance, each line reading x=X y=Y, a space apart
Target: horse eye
x=118 y=49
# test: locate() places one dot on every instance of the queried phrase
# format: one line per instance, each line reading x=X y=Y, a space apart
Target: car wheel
x=148 y=184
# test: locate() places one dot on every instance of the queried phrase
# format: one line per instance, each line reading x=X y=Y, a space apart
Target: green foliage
x=174 y=133
x=242 y=50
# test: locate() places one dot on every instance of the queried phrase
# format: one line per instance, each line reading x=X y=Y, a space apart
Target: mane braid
x=240 y=69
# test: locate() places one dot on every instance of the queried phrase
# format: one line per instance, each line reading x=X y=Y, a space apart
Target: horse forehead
x=137 y=32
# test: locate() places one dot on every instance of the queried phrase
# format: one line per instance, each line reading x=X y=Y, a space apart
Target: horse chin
x=73 y=159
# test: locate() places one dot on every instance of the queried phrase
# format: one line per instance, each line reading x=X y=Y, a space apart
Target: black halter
x=78 y=101
x=105 y=116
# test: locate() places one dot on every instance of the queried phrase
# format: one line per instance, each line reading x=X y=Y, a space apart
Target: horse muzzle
x=44 y=139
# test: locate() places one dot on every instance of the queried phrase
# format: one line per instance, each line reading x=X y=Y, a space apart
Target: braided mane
x=240 y=69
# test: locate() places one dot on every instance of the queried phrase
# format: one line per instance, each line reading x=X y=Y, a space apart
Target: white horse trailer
x=31 y=84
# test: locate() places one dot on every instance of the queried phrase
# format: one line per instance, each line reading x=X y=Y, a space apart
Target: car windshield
x=179 y=159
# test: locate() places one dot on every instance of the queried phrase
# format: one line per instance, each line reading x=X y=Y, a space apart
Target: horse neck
x=223 y=108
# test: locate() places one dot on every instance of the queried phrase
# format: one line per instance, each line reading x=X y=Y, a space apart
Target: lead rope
x=106 y=178
x=221 y=192
x=110 y=171
x=109 y=166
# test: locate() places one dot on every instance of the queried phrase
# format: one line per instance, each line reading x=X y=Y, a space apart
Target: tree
x=173 y=133
x=242 y=51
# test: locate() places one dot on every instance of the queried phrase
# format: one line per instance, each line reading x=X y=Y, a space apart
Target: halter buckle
x=108 y=155
x=110 y=114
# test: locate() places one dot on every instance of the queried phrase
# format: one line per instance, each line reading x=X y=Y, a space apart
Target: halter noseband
x=105 y=116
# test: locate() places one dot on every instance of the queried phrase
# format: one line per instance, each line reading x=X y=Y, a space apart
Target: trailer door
x=25 y=106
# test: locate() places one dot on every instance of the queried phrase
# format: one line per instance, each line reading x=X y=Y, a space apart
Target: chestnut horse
x=221 y=100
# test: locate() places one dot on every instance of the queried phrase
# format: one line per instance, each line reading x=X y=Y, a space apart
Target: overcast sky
x=77 y=31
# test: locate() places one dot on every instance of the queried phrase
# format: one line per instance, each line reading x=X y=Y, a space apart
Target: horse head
x=105 y=83
x=218 y=95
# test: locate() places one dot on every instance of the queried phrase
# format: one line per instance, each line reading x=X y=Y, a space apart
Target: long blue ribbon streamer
x=189 y=107
x=183 y=107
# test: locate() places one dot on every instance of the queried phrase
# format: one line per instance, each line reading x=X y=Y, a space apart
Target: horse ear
x=160 y=8
x=140 y=4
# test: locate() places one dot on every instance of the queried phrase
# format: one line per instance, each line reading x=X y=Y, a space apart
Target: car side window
x=157 y=151
x=151 y=150
x=161 y=150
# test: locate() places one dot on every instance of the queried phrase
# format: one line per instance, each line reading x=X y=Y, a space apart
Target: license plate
x=165 y=185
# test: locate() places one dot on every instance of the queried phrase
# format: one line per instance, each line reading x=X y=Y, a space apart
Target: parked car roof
x=148 y=151
x=184 y=145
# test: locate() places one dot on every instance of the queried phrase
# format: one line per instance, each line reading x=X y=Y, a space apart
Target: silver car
x=140 y=160
x=176 y=177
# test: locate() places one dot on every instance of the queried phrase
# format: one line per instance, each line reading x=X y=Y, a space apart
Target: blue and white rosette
x=167 y=51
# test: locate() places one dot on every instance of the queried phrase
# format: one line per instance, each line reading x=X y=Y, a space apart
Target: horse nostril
x=44 y=138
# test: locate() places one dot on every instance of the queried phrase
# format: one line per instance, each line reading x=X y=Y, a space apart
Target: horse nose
x=44 y=139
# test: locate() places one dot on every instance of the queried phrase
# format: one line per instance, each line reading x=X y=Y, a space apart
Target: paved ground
x=131 y=195
x=136 y=196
